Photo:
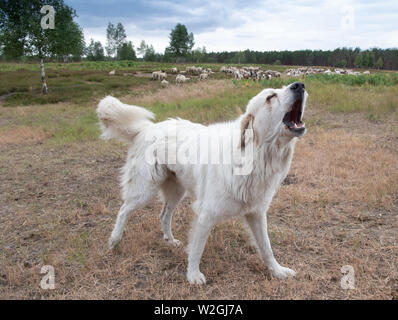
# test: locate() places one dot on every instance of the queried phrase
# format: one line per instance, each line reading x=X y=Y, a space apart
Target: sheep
x=174 y=70
x=162 y=75
x=238 y=75
x=181 y=79
x=155 y=75
x=190 y=69
x=311 y=70
x=164 y=83
x=159 y=75
x=112 y=73
x=229 y=70
x=203 y=76
x=194 y=70
x=255 y=73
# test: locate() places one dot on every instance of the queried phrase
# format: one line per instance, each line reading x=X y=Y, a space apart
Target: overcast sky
x=239 y=25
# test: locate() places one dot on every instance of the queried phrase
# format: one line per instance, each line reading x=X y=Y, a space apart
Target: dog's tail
x=121 y=121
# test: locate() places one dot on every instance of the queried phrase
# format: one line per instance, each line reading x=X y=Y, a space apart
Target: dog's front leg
x=198 y=237
x=258 y=226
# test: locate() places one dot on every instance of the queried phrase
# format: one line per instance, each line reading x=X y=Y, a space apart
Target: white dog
x=269 y=127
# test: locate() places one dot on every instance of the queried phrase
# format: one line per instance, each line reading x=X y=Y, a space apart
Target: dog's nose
x=297 y=87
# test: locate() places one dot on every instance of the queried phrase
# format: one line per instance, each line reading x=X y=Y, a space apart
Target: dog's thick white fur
x=274 y=115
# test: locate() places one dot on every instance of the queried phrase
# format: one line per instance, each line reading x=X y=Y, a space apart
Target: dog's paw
x=196 y=278
x=282 y=272
x=173 y=242
x=113 y=242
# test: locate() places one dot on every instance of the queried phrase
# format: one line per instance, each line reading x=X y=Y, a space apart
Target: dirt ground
x=339 y=206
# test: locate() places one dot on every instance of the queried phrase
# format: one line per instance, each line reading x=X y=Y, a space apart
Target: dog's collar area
x=292 y=119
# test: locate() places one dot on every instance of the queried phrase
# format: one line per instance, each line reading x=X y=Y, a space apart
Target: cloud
x=240 y=25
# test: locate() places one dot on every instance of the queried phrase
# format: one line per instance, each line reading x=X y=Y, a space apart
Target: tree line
x=341 y=57
x=179 y=51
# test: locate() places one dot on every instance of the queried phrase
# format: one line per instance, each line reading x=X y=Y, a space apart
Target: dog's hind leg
x=172 y=192
x=137 y=198
x=258 y=226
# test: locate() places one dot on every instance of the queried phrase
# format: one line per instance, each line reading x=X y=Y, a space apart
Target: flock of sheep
x=254 y=73
x=257 y=74
x=203 y=74
x=311 y=70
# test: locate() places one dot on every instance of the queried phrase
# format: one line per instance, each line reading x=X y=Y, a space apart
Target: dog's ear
x=245 y=136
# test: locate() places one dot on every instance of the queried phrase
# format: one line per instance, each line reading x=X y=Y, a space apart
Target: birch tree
x=40 y=28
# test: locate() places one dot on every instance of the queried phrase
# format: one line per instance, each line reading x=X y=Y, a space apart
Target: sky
x=239 y=25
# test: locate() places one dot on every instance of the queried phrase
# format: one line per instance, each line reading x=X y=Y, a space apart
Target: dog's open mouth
x=292 y=119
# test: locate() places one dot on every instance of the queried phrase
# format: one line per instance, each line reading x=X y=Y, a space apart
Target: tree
x=341 y=64
x=379 y=63
x=73 y=44
x=181 y=43
x=168 y=55
x=126 y=52
x=22 y=33
x=110 y=42
x=239 y=57
x=95 y=51
x=371 y=60
x=142 y=48
x=358 y=60
x=150 y=54
x=199 y=54
x=115 y=37
x=120 y=35
x=365 y=59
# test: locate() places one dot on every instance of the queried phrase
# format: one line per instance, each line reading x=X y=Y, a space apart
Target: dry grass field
x=59 y=196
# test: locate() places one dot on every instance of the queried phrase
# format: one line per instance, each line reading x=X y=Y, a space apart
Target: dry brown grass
x=364 y=173
x=23 y=134
x=58 y=208
x=339 y=207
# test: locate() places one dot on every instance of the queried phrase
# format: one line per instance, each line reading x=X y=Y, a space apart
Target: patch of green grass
x=61 y=123
x=375 y=79
x=338 y=97
x=220 y=107
x=79 y=129
x=23 y=87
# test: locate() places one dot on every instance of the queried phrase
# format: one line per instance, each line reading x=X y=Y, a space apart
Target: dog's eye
x=270 y=97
